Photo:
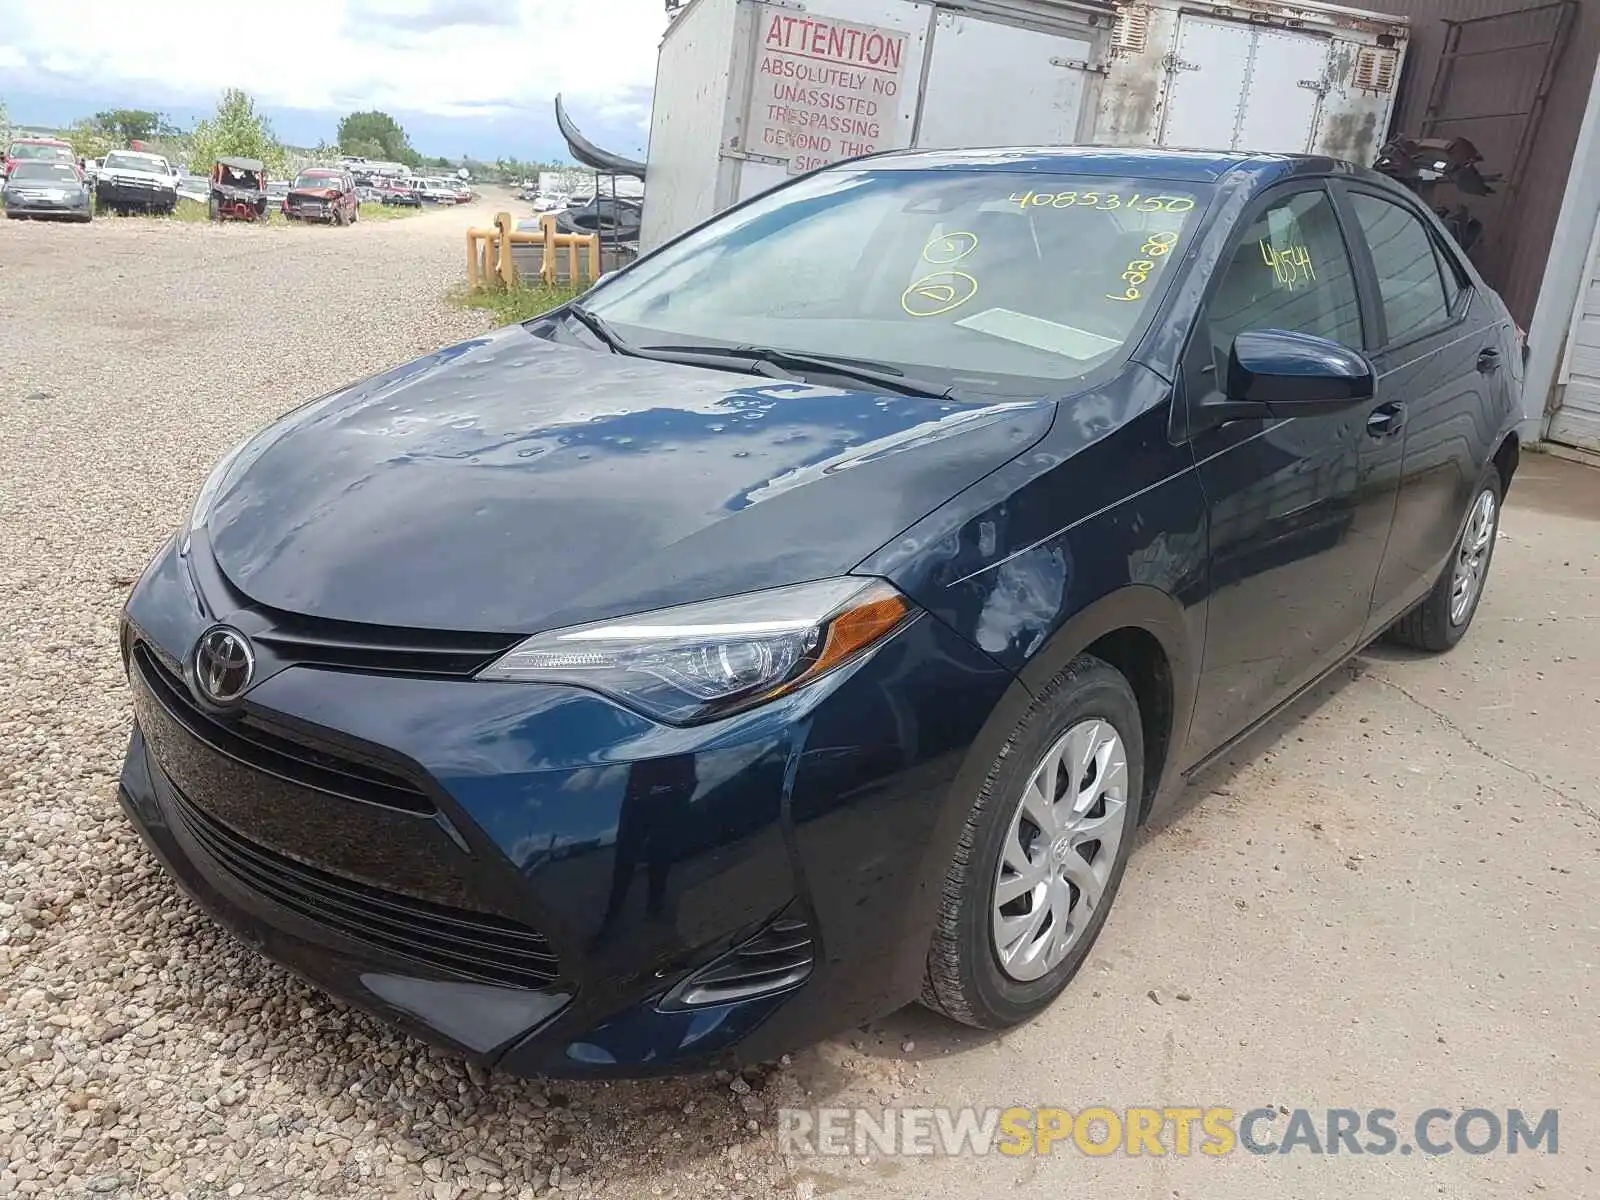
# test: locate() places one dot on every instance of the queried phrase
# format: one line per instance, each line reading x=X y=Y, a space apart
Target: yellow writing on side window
x=1105 y=201
x=1290 y=265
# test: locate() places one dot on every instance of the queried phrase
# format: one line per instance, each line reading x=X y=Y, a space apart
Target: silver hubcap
x=1472 y=557
x=1059 y=850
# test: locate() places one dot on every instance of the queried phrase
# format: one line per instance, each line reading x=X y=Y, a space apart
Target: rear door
x=1243 y=87
x=1443 y=364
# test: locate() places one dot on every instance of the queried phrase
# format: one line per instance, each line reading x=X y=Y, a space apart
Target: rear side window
x=1291 y=271
x=1409 y=279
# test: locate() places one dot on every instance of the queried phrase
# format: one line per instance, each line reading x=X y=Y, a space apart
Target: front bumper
x=547 y=868
x=135 y=195
x=309 y=210
x=73 y=207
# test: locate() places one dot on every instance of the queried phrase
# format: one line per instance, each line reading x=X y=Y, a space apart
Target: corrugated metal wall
x=1517 y=242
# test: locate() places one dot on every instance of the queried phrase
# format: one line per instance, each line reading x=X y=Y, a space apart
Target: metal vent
x=774 y=960
x=1132 y=32
x=1375 y=69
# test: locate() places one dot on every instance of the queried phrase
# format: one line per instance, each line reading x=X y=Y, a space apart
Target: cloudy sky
x=463 y=76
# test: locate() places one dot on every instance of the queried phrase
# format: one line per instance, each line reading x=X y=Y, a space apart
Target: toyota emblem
x=224 y=665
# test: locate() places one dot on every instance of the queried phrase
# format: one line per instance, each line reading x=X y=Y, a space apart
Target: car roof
x=242 y=164
x=1153 y=162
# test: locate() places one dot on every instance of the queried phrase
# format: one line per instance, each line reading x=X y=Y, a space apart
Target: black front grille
x=476 y=945
x=249 y=743
x=350 y=645
x=774 y=960
x=346 y=645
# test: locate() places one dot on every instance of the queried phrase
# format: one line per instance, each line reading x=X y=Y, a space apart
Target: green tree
x=88 y=139
x=133 y=124
x=237 y=131
x=375 y=134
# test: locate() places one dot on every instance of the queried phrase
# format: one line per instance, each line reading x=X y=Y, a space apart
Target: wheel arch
x=1505 y=458
x=1139 y=630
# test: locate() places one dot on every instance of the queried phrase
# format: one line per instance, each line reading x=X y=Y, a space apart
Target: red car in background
x=41 y=150
x=323 y=194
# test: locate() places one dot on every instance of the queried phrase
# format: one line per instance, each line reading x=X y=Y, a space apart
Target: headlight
x=698 y=661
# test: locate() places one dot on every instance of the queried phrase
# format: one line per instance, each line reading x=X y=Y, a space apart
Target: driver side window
x=1291 y=271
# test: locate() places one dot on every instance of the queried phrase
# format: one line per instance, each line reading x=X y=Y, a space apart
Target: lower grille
x=276 y=755
x=774 y=960
x=475 y=945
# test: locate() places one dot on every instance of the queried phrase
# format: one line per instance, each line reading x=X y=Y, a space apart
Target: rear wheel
x=1442 y=619
x=1042 y=852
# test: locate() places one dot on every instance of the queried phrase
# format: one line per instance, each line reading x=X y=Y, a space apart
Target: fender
x=1135 y=606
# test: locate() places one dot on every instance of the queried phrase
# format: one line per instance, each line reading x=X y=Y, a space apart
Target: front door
x=1298 y=509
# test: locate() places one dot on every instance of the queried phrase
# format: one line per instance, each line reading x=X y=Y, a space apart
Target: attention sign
x=823 y=89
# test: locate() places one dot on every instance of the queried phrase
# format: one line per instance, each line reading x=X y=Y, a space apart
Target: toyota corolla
x=803 y=622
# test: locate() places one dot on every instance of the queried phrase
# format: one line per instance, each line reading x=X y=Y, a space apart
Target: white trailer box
x=749 y=92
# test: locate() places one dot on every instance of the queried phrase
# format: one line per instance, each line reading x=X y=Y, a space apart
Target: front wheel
x=1042 y=852
x=1442 y=619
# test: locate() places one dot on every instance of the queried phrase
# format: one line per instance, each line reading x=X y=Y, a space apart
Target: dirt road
x=1388 y=900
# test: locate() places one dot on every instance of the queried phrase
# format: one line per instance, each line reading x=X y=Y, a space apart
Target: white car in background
x=132 y=180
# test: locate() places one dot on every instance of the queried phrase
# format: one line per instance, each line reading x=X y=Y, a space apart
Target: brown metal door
x=1492 y=81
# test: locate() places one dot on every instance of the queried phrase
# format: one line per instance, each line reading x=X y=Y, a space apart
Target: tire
x=965 y=978
x=1439 y=622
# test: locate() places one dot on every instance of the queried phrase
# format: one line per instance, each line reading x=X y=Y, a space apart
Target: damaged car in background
x=324 y=194
x=238 y=190
x=135 y=181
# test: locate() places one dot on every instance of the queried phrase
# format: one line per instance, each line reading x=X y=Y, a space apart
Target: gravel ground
x=1274 y=943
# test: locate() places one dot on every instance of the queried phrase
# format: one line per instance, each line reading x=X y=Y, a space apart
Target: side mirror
x=1295 y=374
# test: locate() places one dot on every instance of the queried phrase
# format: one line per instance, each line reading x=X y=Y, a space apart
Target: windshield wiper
x=598 y=326
x=693 y=356
x=878 y=374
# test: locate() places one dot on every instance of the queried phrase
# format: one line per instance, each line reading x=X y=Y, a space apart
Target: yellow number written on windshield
x=1105 y=201
x=1138 y=272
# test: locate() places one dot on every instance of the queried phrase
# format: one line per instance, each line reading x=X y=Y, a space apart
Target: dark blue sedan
x=802 y=623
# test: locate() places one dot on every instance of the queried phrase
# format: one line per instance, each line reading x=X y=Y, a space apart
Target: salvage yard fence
x=492 y=257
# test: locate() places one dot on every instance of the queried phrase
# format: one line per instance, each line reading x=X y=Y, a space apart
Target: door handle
x=1386 y=420
x=1488 y=360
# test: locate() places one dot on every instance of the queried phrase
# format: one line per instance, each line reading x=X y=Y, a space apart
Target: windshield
x=45 y=172
x=32 y=150
x=136 y=162
x=317 y=182
x=973 y=276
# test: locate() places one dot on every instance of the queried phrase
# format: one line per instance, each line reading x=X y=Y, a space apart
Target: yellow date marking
x=1138 y=272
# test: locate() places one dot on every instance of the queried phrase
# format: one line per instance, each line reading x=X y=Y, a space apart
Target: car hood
x=314 y=193
x=511 y=484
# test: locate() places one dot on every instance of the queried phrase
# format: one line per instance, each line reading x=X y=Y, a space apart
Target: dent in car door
x=1298 y=515
x=1439 y=372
